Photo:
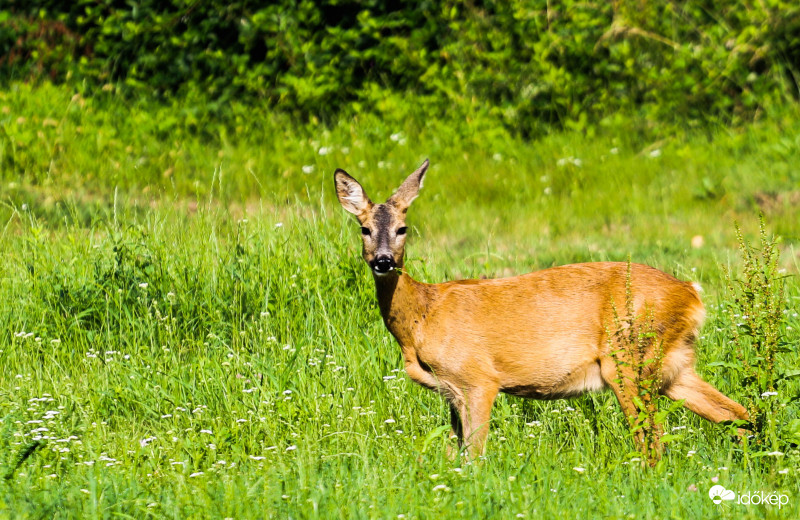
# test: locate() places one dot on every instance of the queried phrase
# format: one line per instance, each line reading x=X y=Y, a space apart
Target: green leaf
x=726 y=364
x=793 y=428
x=437 y=432
x=791 y=374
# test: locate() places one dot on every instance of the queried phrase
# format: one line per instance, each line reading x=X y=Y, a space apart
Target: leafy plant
x=756 y=308
x=639 y=355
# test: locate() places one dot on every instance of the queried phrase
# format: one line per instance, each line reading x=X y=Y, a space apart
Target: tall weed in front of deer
x=755 y=306
x=639 y=356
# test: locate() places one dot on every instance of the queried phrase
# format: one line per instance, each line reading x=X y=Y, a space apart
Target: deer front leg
x=474 y=409
x=427 y=379
x=470 y=408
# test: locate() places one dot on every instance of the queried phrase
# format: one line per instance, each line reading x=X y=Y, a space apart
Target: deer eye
x=402 y=230
x=365 y=231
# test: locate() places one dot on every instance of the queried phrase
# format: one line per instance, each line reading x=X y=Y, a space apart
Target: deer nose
x=383 y=264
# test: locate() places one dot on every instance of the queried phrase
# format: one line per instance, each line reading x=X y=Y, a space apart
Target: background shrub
x=529 y=64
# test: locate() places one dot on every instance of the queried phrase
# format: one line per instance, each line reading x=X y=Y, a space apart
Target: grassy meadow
x=187 y=329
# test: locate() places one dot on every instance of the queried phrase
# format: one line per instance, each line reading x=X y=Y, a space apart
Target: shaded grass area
x=207 y=343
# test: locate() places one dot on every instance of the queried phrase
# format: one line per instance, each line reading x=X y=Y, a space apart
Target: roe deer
x=541 y=335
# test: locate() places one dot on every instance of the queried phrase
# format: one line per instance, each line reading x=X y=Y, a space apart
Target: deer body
x=537 y=335
x=541 y=335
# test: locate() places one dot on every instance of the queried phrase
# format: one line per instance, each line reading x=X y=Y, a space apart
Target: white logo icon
x=719 y=493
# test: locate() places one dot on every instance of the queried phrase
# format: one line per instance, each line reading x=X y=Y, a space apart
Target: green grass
x=212 y=345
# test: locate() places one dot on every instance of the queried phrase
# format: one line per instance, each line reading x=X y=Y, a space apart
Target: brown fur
x=539 y=335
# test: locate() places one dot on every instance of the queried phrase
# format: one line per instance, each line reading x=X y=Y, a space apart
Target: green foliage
x=757 y=312
x=529 y=65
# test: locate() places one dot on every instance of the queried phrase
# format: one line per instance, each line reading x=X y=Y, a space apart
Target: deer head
x=383 y=226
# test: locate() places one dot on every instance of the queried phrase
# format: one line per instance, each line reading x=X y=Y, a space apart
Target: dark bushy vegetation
x=529 y=64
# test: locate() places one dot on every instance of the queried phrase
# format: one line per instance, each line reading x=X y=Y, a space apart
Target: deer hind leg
x=680 y=381
x=703 y=399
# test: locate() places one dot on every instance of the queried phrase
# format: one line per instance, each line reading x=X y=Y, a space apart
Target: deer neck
x=403 y=302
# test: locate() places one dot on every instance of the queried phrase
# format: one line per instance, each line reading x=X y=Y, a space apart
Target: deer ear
x=409 y=190
x=351 y=195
